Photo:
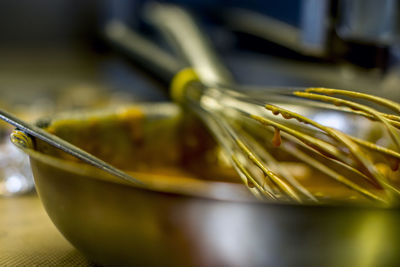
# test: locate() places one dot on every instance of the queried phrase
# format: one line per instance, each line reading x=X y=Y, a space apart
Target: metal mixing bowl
x=183 y=221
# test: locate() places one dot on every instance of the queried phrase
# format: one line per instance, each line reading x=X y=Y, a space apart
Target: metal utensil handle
x=65 y=146
x=181 y=30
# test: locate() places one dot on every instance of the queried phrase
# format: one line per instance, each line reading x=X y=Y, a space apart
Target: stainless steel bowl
x=209 y=222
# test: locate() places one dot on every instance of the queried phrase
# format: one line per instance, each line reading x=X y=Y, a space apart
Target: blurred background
x=53 y=56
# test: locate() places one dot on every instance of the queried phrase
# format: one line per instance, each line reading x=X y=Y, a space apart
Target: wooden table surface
x=29 y=238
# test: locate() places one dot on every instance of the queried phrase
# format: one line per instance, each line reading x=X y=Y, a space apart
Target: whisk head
x=342 y=139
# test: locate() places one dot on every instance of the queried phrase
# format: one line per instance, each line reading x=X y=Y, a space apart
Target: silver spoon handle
x=65 y=146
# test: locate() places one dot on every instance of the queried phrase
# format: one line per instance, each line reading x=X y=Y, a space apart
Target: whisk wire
x=250 y=178
x=379 y=100
x=282 y=185
x=356 y=106
x=274 y=165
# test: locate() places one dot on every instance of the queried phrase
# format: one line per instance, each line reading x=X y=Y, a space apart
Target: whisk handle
x=181 y=30
x=145 y=52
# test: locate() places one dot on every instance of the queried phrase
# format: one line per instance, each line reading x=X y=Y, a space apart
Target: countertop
x=29 y=238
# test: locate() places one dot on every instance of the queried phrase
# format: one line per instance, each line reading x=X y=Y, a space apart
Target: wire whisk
x=358 y=164
x=261 y=130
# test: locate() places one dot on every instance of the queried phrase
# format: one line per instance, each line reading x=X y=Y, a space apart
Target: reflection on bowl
x=194 y=211
x=15 y=174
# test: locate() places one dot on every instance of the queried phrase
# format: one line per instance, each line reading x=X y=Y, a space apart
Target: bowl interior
x=172 y=151
x=153 y=143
